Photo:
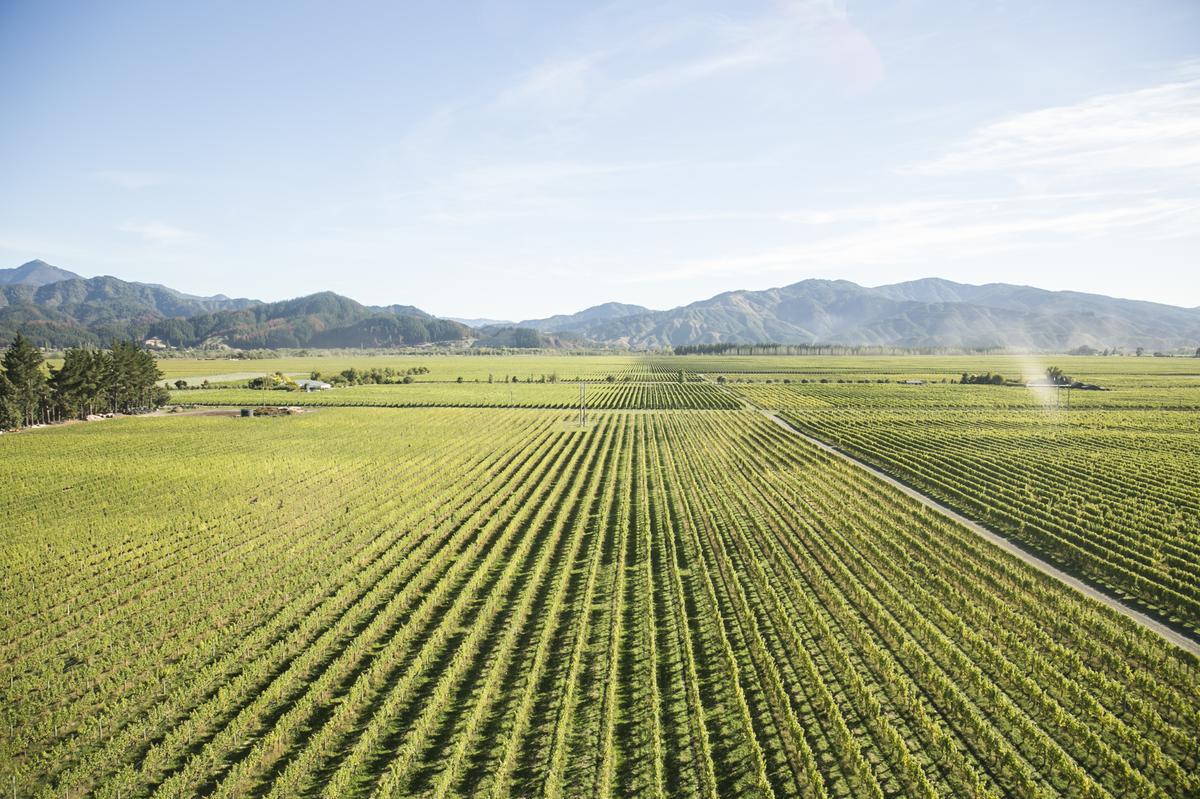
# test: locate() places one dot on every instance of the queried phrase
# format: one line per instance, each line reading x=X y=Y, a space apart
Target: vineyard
x=1111 y=371
x=939 y=397
x=496 y=602
x=1106 y=489
x=615 y=395
x=442 y=368
x=1124 y=372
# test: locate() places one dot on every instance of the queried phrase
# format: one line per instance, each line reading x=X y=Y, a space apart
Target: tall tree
x=1055 y=375
x=129 y=378
x=10 y=416
x=76 y=385
x=27 y=388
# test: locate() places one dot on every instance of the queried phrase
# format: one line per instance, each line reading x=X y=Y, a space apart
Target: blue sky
x=510 y=159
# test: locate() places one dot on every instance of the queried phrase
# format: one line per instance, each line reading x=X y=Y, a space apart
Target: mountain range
x=75 y=310
x=589 y=316
x=927 y=313
x=56 y=308
x=35 y=273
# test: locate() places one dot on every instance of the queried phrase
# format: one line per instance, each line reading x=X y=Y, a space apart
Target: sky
x=514 y=160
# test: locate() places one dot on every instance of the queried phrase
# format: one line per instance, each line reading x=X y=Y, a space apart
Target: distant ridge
x=925 y=313
x=58 y=308
x=324 y=319
x=597 y=313
x=34 y=273
x=481 y=322
x=74 y=311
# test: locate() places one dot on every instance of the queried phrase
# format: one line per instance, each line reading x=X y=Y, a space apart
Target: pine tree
x=129 y=378
x=26 y=389
x=76 y=385
x=10 y=416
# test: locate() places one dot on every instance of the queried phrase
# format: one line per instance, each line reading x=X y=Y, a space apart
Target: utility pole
x=582 y=405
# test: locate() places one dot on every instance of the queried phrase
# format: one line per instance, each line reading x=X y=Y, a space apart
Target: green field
x=442 y=368
x=653 y=395
x=1106 y=489
x=1117 y=370
x=1121 y=371
x=683 y=599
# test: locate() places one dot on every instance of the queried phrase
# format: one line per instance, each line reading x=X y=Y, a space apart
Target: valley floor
x=680 y=599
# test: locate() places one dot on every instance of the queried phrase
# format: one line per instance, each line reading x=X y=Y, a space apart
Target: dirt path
x=1138 y=617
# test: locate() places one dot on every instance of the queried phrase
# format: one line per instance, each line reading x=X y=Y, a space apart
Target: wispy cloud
x=555 y=81
x=158 y=232
x=626 y=64
x=1123 y=164
x=942 y=231
x=1151 y=129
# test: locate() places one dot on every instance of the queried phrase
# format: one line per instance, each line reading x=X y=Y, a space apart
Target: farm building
x=313 y=385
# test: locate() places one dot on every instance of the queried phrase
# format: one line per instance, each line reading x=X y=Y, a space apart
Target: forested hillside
x=97 y=311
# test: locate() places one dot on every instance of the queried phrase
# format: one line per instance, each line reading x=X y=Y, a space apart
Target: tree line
x=121 y=379
x=1054 y=376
